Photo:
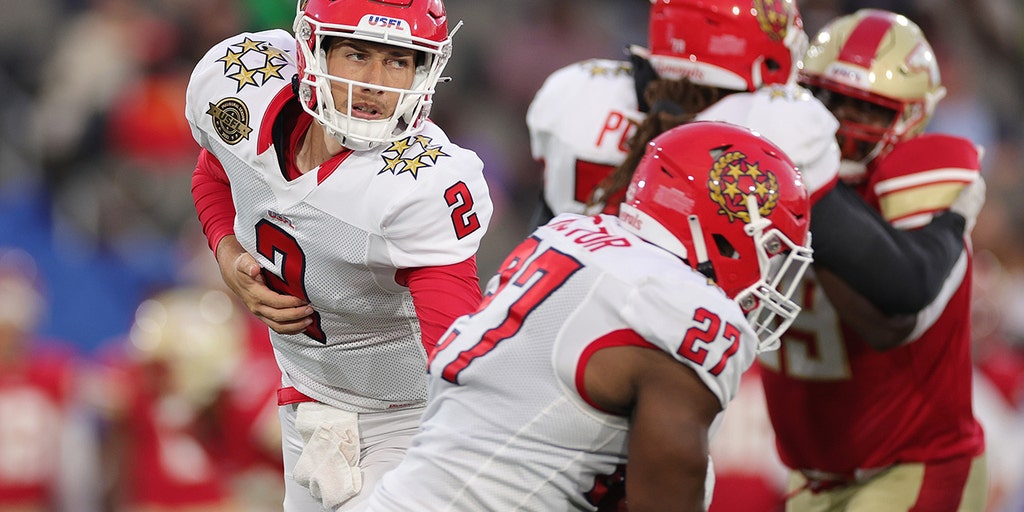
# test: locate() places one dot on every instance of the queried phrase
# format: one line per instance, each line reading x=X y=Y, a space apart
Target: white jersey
x=579 y=122
x=507 y=426
x=336 y=236
x=582 y=117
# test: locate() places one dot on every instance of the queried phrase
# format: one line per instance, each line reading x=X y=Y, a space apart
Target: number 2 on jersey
x=271 y=241
x=533 y=283
x=464 y=220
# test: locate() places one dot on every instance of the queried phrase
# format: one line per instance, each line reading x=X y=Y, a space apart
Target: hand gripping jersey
x=336 y=235
x=580 y=121
x=508 y=426
x=841 y=408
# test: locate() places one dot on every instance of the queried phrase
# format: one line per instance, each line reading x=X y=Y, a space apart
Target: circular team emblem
x=733 y=178
x=230 y=120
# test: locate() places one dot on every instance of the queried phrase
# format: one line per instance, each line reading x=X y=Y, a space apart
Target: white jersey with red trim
x=337 y=235
x=583 y=116
x=579 y=122
x=508 y=426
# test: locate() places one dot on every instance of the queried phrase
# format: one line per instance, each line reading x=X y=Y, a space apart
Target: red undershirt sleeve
x=211 y=193
x=440 y=295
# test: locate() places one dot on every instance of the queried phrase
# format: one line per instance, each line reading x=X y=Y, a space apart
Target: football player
x=870 y=393
x=343 y=218
x=611 y=345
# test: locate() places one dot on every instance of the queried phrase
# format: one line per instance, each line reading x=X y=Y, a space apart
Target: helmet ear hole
x=772 y=65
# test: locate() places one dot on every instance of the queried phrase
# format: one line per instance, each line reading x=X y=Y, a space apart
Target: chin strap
x=700 y=249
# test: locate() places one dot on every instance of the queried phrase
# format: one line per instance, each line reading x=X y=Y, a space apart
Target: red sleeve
x=440 y=295
x=211 y=193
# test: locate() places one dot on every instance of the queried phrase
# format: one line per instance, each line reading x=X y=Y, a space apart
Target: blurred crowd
x=102 y=259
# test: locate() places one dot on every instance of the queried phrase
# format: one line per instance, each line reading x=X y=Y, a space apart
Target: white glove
x=329 y=462
x=968 y=204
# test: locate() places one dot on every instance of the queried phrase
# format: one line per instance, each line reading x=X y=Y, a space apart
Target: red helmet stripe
x=862 y=45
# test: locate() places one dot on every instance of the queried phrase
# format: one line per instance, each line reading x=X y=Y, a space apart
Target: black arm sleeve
x=900 y=272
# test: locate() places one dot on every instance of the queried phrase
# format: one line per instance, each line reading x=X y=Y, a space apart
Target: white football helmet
x=417 y=24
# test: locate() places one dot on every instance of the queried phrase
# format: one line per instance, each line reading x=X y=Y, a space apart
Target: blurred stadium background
x=96 y=158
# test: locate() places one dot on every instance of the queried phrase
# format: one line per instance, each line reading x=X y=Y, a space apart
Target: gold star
x=392 y=164
x=231 y=59
x=732 y=189
x=249 y=45
x=270 y=71
x=244 y=77
x=423 y=140
x=433 y=153
x=400 y=146
x=753 y=170
x=735 y=172
x=761 y=189
x=413 y=166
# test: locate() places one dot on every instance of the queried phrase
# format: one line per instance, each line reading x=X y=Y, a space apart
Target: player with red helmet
x=344 y=219
x=870 y=393
x=611 y=342
x=590 y=121
x=730 y=60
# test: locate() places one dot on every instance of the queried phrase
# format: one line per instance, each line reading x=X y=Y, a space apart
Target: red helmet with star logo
x=421 y=25
x=731 y=204
x=732 y=44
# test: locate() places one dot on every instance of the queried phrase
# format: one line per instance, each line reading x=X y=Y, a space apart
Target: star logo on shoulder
x=253 y=63
x=411 y=155
x=597 y=68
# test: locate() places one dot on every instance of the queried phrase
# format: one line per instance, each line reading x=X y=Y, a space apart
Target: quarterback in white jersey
x=610 y=345
x=344 y=219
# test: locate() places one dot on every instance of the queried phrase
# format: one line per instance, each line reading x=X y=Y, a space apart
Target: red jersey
x=160 y=442
x=839 y=406
x=34 y=402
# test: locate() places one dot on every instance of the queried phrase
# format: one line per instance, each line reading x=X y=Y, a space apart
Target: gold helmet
x=880 y=64
x=197 y=334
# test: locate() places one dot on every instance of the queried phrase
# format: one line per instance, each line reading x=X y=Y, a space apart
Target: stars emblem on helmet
x=410 y=155
x=774 y=17
x=250 y=60
x=733 y=177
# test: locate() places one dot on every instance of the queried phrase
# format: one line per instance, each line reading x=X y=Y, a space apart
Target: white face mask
x=315 y=85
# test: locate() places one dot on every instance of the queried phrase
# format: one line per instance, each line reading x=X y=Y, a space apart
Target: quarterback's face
x=371 y=64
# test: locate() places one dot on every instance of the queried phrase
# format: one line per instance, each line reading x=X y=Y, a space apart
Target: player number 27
x=533 y=282
x=703 y=334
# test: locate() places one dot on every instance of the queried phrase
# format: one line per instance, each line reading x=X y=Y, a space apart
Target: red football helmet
x=881 y=61
x=421 y=25
x=732 y=44
x=732 y=205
